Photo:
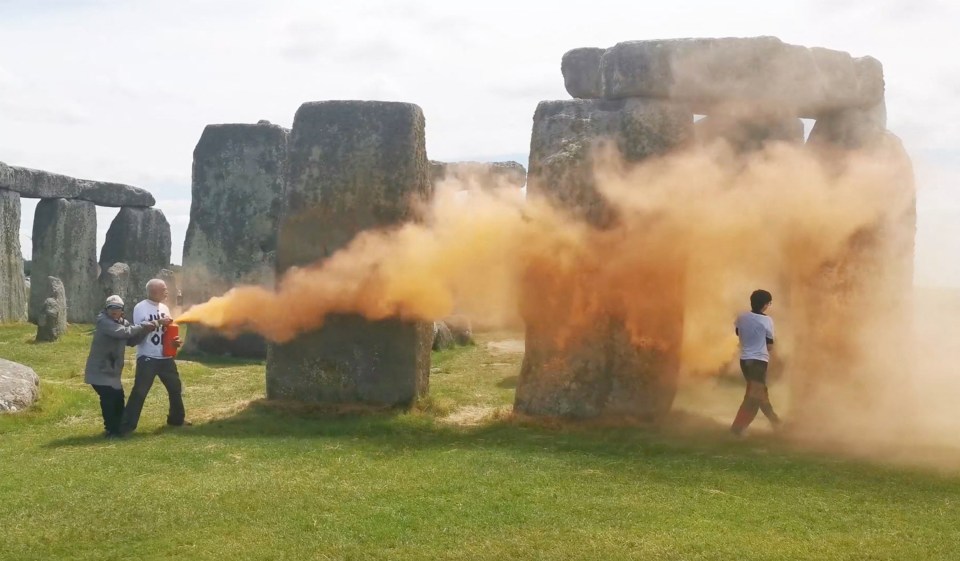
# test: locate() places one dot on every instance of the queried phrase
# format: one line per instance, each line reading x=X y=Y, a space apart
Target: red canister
x=170 y=333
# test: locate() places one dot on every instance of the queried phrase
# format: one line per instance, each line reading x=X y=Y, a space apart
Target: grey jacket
x=105 y=362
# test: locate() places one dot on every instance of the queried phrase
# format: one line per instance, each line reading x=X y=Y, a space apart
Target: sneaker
x=180 y=424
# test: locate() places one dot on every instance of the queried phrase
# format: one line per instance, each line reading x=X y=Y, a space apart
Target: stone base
x=352 y=360
x=600 y=374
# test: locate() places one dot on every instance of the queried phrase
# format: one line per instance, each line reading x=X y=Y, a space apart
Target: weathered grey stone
x=32 y=183
x=870 y=274
x=581 y=72
x=13 y=289
x=747 y=131
x=481 y=175
x=709 y=72
x=442 y=337
x=569 y=369
x=234 y=215
x=600 y=373
x=52 y=322
x=115 y=279
x=140 y=238
x=352 y=166
x=850 y=128
x=19 y=386
x=461 y=328
x=65 y=246
x=566 y=134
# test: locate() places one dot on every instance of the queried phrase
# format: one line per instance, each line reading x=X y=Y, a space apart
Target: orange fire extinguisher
x=170 y=333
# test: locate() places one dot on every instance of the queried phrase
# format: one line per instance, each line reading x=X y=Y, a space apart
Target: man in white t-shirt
x=151 y=363
x=755 y=330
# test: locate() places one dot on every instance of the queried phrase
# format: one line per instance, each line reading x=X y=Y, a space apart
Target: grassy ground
x=455 y=479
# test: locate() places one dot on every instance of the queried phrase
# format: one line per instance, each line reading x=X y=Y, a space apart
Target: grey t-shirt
x=754 y=330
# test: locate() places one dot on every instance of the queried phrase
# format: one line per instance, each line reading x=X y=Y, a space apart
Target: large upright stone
x=567 y=133
x=65 y=246
x=586 y=362
x=708 y=72
x=52 y=322
x=352 y=166
x=870 y=277
x=39 y=184
x=234 y=213
x=13 y=288
x=139 y=237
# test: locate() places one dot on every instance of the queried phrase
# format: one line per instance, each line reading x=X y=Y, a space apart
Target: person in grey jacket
x=105 y=362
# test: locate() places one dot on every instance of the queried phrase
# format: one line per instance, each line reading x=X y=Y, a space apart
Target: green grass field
x=457 y=478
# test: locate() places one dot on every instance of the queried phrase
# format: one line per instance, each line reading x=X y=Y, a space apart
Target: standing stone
x=442 y=337
x=115 y=280
x=13 y=289
x=234 y=214
x=140 y=238
x=566 y=134
x=588 y=367
x=461 y=328
x=19 y=386
x=52 y=323
x=352 y=166
x=871 y=278
x=65 y=246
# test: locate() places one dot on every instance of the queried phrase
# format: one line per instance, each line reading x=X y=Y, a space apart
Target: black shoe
x=113 y=435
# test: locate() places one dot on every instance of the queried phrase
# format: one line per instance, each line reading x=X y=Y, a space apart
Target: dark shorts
x=754 y=370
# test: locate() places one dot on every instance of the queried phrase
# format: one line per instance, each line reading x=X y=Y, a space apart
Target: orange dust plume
x=729 y=224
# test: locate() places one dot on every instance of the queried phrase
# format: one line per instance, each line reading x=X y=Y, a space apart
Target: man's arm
x=770 y=333
x=116 y=330
x=148 y=327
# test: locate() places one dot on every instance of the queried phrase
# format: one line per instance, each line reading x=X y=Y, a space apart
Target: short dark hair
x=759 y=299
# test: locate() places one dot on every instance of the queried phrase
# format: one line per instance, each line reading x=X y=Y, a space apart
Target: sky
x=120 y=90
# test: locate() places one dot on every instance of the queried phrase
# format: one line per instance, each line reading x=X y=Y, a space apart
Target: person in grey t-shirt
x=755 y=330
x=105 y=361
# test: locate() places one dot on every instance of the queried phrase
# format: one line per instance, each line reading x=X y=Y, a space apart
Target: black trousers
x=147 y=370
x=111 y=407
x=757 y=398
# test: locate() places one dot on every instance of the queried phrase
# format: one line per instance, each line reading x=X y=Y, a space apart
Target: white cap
x=114 y=302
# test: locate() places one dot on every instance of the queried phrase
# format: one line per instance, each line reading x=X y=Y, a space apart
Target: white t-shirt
x=754 y=330
x=148 y=310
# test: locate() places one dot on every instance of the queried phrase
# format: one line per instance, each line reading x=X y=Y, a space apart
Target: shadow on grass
x=683 y=439
x=397 y=429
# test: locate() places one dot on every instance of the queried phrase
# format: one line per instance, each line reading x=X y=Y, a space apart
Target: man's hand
x=177 y=342
x=166 y=321
x=149 y=326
